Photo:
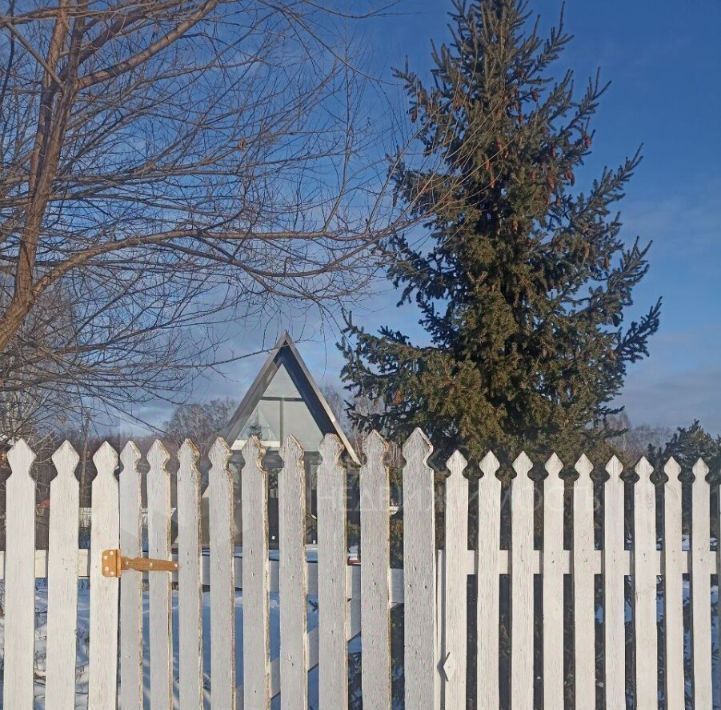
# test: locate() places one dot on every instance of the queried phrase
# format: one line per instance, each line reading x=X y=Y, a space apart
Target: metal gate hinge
x=114 y=563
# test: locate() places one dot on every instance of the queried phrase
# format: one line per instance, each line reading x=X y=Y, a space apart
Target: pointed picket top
x=291 y=450
x=21 y=457
x=456 y=464
x=614 y=467
x=417 y=447
x=644 y=469
x=672 y=469
x=583 y=466
x=554 y=465
x=158 y=456
x=65 y=460
x=489 y=464
x=219 y=453
x=330 y=449
x=252 y=451
x=374 y=444
x=188 y=454
x=700 y=470
x=522 y=465
x=130 y=456
x=105 y=460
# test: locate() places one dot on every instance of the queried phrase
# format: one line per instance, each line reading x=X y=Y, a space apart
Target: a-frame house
x=283 y=399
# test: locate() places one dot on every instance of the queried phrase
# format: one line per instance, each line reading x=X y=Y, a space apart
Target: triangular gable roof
x=286 y=354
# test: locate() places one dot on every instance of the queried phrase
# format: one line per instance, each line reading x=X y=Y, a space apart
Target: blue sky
x=664 y=63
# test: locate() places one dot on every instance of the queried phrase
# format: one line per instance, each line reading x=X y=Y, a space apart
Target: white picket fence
x=356 y=599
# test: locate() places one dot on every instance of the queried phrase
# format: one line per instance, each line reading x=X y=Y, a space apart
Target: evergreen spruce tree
x=687 y=445
x=526 y=280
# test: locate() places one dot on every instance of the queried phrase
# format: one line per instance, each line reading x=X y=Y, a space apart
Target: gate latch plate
x=113 y=564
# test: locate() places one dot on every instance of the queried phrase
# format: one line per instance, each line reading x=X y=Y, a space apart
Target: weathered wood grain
x=375 y=563
x=190 y=595
x=62 y=581
x=19 y=579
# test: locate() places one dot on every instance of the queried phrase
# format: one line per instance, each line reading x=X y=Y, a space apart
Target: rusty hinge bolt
x=113 y=564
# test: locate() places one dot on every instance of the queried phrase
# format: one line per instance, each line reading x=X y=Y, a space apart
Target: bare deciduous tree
x=168 y=167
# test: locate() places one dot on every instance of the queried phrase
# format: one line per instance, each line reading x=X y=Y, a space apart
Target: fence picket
x=673 y=589
x=19 y=579
x=614 y=602
x=488 y=584
x=222 y=585
x=584 y=607
x=131 y=585
x=419 y=575
x=332 y=594
x=190 y=595
x=292 y=577
x=104 y=591
x=62 y=581
x=644 y=587
x=522 y=503
x=700 y=586
x=552 y=569
x=375 y=561
x=454 y=652
x=159 y=587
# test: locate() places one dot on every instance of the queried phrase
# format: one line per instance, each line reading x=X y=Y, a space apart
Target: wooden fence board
x=701 y=587
x=584 y=606
x=614 y=567
x=552 y=584
x=104 y=591
x=522 y=504
x=190 y=595
x=419 y=575
x=332 y=594
x=62 y=581
x=487 y=580
x=293 y=583
x=19 y=580
x=673 y=589
x=131 y=585
x=455 y=584
x=159 y=590
x=222 y=587
x=375 y=561
x=644 y=588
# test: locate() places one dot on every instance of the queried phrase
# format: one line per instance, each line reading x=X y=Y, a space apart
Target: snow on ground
x=81 y=666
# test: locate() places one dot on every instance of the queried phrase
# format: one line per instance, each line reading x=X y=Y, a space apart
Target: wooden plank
x=332 y=560
x=700 y=587
x=41 y=567
x=522 y=504
x=552 y=581
x=419 y=575
x=62 y=581
x=159 y=590
x=104 y=591
x=19 y=580
x=455 y=584
x=131 y=585
x=614 y=568
x=292 y=582
x=487 y=564
x=375 y=563
x=584 y=607
x=222 y=588
x=673 y=589
x=644 y=588
x=190 y=590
